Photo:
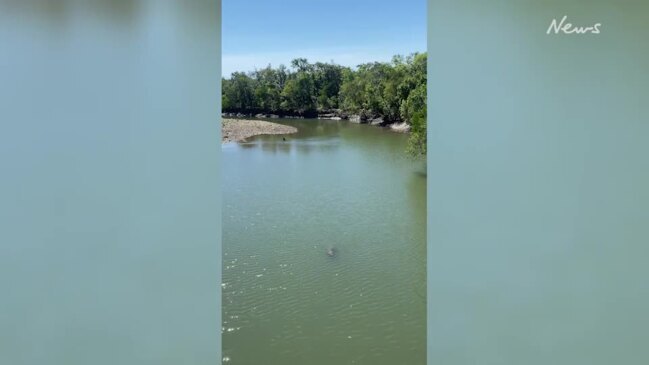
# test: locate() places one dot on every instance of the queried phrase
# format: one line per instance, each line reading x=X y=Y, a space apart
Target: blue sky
x=348 y=32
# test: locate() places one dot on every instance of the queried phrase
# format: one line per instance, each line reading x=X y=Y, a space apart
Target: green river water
x=332 y=184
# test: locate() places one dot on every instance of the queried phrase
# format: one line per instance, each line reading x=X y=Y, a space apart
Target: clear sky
x=348 y=32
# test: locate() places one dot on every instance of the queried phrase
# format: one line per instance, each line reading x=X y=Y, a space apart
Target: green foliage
x=417 y=140
x=351 y=92
x=327 y=81
x=238 y=92
x=394 y=91
x=298 y=93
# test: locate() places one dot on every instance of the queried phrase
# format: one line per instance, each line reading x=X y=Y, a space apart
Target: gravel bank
x=236 y=130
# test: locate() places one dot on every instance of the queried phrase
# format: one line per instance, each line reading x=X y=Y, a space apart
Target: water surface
x=332 y=184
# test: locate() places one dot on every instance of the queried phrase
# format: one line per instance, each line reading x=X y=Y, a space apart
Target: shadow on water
x=276 y=145
x=326 y=135
x=312 y=135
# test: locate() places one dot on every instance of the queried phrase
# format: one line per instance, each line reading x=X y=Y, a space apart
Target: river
x=287 y=200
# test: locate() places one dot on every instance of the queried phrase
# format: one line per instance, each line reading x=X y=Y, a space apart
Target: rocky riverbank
x=334 y=114
x=237 y=130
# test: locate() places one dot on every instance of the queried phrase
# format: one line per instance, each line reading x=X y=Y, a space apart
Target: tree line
x=394 y=91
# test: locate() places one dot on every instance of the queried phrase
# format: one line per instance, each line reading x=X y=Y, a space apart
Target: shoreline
x=238 y=130
x=395 y=126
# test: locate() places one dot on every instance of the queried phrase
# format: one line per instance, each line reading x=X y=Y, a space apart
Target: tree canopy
x=394 y=91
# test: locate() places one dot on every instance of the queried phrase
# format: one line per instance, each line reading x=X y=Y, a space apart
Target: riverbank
x=335 y=114
x=237 y=130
